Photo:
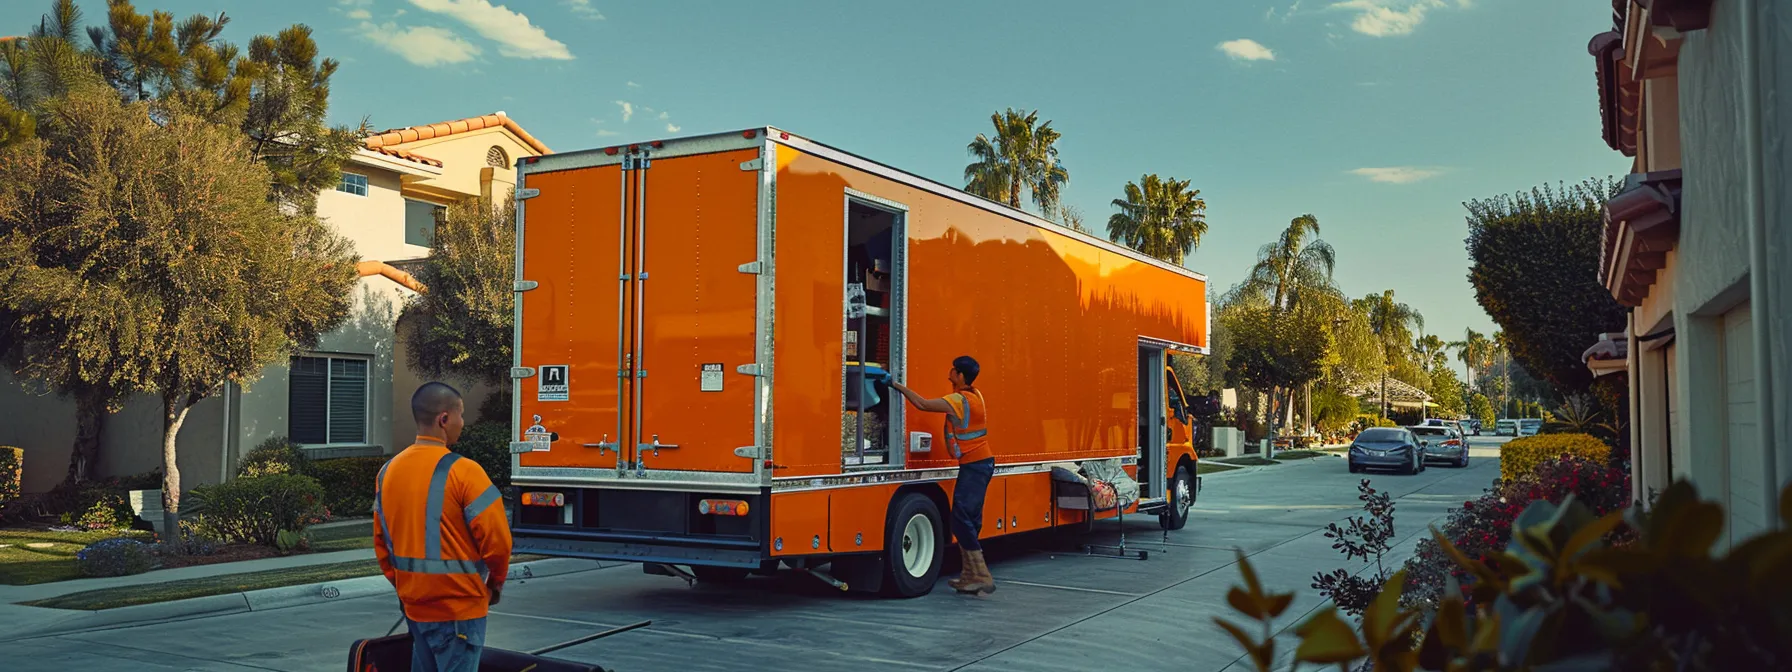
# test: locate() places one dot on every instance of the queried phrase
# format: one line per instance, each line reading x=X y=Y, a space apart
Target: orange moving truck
x=705 y=328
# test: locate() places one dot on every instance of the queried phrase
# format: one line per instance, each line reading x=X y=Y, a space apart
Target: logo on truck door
x=551 y=386
x=711 y=378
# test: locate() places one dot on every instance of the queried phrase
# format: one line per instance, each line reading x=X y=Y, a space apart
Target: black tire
x=1462 y=463
x=708 y=574
x=1175 y=516
x=899 y=581
x=1412 y=467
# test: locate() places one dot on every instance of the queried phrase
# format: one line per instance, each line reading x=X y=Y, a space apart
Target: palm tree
x=1293 y=272
x=1160 y=217
x=1502 y=348
x=1393 y=322
x=1022 y=155
x=1475 y=353
x=1431 y=351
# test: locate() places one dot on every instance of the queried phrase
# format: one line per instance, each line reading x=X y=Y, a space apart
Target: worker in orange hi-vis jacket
x=967 y=436
x=441 y=537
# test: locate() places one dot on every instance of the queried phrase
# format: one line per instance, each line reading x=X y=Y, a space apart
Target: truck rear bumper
x=708 y=553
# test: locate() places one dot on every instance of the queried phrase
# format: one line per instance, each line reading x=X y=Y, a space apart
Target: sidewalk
x=16 y=594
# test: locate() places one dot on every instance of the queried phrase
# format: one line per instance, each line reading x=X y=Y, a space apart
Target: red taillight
x=722 y=507
x=1453 y=442
x=634 y=148
x=531 y=159
x=749 y=134
x=610 y=150
x=658 y=144
x=544 y=499
x=783 y=136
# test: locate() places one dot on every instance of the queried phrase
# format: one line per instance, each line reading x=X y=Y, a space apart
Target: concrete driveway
x=1055 y=610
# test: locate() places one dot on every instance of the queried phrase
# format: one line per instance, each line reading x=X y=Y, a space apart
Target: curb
x=47 y=622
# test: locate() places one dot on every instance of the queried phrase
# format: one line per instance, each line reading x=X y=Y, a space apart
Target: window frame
x=366 y=402
x=439 y=211
x=365 y=184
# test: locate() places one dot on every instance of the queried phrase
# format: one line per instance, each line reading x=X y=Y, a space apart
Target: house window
x=327 y=400
x=353 y=184
x=496 y=158
x=420 y=220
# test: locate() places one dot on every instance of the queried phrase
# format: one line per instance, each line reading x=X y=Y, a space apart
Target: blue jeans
x=447 y=646
x=967 y=501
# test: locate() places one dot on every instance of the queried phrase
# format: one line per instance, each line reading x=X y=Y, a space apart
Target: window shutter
x=305 y=413
x=348 y=401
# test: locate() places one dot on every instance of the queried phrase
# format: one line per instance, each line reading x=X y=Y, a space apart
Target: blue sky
x=1378 y=116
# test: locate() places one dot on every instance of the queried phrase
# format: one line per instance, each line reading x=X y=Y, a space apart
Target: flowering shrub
x=255 y=509
x=100 y=516
x=276 y=455
x=115 y=557
x=1520 y=456
x=1483 y=525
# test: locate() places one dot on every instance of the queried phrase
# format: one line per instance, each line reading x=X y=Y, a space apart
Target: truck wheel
x=914 y=546
x=708 y=574
x=1182 y=498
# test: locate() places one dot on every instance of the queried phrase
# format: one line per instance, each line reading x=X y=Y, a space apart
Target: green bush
x=255 y=509
x=115 y=557
x=12 y=463
x=292 y=541
x=101 y=516
x=71 y=502
x=488 y=443
x=276 y=455
x=348 y=484
x=1520 y=457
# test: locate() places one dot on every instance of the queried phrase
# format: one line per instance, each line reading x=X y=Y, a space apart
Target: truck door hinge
x=526 y=194
x=753 y=267
x=749 y=370
x=522 y=371
x=749 y=452
x=524 y=285
x=636 y=162
x=755 y=164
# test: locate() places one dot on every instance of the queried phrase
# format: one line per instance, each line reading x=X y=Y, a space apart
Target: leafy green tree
x=1022 y=156
x=1536 y=272
x=1429 y=350
x=1393 y=323
x=461 y=327
x=1475 y=352
x=157 y=259
x=1160 y=217
x=1294 y=273
x=1480 y=407
x=1275 y=349
x=1446 y=391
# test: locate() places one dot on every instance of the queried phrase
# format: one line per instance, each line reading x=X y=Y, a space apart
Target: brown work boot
x=966 y=571
x=980 y=583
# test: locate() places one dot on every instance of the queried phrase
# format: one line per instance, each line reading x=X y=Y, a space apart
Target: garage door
x=1747 y=492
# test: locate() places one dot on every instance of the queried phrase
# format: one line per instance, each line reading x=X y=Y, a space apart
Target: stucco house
x=348 y=396
x=1696 y=244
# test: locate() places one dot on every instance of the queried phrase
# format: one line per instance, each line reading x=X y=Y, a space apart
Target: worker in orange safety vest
x=441 y=536
x=966 y=436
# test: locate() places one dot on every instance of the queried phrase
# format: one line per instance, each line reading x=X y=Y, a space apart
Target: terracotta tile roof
x=408 y=156
x=399 y=136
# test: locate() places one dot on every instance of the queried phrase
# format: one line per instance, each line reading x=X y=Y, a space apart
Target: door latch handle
x=655 y=446
x=605 y=445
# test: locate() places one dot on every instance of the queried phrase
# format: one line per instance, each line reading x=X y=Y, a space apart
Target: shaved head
x=431 y=401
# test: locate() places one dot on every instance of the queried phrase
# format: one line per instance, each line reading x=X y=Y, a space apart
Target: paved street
x=1055 y=610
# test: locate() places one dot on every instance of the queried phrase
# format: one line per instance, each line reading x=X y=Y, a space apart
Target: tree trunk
x=1384 y=395
x=174 y=409
x=90 y=420
x=1014 y=193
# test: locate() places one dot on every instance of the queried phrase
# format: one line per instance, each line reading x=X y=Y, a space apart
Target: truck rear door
x=642 y=315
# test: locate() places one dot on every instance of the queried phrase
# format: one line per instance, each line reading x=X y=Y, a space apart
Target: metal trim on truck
x=765 y=313
x=700 y=144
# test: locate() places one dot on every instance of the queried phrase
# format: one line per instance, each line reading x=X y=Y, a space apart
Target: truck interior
x=871 y=421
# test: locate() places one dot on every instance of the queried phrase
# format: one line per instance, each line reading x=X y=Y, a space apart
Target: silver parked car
x=1387 y=448
x=1443 y=443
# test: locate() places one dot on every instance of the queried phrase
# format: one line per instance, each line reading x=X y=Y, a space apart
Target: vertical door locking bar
x=640 y=314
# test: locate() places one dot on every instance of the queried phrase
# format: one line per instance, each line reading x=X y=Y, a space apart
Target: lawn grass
x=342 y=537
x=1299 y=454
x=150 y=593
x=1211 y=467
x=23 y=565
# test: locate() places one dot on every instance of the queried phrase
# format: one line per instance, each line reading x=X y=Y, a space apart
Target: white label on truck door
x=552 y=383
x=711 y=380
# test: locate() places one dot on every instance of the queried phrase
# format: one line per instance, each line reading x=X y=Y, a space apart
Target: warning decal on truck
x=711 y=380
x=552 y=383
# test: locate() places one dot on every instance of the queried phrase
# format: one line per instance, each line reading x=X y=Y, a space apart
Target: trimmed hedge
x=12 y=470
x=348 y=483
x=254 y=509
x=276 y=455
x=1519 y=457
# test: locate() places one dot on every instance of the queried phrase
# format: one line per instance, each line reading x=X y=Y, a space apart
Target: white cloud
x=628 y=110
x=1398 y=174
x=1247 y=50
x=1384 y=18
x=427 y=46
x=633 y=85
x=583 y=9
x=360 y=14
x=1287 y=15
x=663 y=116
x=673 y=129
x=515 y=35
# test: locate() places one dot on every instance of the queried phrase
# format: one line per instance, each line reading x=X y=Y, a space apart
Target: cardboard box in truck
x=705 y=332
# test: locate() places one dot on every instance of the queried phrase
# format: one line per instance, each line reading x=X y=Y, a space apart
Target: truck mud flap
x=630 y=551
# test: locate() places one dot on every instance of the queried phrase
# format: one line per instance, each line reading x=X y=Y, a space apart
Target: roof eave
x=368 y=157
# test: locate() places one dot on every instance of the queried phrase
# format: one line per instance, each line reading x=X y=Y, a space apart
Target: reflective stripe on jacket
x=439 y=532
x=966 y=434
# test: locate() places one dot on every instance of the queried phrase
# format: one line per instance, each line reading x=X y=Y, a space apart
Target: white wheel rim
x=917 y=545
x=1184 y=500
